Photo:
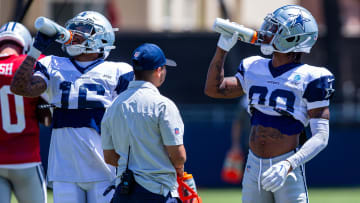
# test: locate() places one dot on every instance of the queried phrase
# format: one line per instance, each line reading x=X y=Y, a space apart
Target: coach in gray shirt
x=151 y=125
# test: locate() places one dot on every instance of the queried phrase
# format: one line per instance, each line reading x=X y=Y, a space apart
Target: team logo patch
x=299 y=19
x=136 y=54
x=248 y=167
x=329 y=89
x=177 y=131
x=295 y=80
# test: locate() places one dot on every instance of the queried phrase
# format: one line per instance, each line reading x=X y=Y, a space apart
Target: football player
x=80 y=87
x=284 y=96
x=20 y=164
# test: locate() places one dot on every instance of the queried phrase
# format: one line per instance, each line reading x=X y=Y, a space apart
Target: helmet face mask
x=289 y=29
x=268 y=31
x=96 y=31
x=18 y=33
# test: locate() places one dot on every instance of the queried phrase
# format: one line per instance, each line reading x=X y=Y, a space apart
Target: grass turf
x=317 y=195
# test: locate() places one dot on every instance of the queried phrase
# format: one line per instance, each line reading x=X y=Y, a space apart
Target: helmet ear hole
x=290 y=39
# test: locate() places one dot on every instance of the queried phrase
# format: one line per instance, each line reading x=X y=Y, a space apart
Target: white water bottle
x=226 y=27
x=50 y=28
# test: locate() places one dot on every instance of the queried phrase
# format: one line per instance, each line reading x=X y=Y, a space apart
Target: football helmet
x=18 y=33
x=290 y=28
x=95 y=29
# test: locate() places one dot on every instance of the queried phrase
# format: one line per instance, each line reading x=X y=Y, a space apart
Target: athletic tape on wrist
x=34 y=52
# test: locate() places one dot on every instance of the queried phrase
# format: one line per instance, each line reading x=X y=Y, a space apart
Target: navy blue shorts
x=142 y=195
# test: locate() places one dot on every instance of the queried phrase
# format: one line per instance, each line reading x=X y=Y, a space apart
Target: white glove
x=274 y=178
x=226 y=42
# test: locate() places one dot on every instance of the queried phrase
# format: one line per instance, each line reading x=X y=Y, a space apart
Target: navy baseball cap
x=149 y=57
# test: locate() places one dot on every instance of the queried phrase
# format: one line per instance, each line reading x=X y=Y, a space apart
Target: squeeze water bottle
x=232 y=171
x=189 y=180
x=223 y=26
x=187 y=189
x=50 y=28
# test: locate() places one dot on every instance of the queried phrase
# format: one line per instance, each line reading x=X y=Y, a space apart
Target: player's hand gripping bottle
x=50 y=28
x=187 y=189
x=247 y=35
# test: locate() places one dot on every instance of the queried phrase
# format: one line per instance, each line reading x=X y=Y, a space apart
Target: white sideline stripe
x=42 y=182
x=302 y=167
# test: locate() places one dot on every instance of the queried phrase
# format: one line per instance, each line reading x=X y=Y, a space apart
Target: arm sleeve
x=170 y=124
x=319 y=140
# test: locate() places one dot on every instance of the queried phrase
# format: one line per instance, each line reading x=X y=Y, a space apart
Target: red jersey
x=19 y=128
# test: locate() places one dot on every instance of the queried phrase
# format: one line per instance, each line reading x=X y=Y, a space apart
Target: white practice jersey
x=80 y=97
x=288 y=90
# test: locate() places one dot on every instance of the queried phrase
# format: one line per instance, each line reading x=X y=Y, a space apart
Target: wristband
x=34 y=52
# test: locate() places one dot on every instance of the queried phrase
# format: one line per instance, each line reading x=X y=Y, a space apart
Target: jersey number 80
x=263 y=91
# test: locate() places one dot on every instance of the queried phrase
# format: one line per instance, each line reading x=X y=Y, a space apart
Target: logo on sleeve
x=177 y=131
x=136 y=54
x=248 y=167
x=329 y=90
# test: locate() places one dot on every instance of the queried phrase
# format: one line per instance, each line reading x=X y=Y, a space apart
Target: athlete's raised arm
x=24 y=82
x=217 y=85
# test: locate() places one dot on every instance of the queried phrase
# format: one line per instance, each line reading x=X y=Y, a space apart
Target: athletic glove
x=41 y=43
x=274 y=178
x=226 y=42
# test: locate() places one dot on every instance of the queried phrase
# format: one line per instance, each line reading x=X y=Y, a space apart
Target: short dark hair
x=143 y=74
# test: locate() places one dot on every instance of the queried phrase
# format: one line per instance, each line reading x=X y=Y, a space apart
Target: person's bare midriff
x=267 y=142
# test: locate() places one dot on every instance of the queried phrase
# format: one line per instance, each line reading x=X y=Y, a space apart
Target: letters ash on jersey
x=293 y=90
x=19 y=129
x=72 y=89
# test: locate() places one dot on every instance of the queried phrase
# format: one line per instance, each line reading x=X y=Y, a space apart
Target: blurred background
x=182 y=28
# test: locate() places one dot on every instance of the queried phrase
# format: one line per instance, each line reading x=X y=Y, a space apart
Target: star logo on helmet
x=298 y=20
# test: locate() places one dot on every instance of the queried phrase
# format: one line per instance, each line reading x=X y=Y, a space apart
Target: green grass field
x=328 y=195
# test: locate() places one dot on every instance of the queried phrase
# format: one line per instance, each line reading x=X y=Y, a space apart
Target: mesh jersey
x=80 y=96
x=292 y=89
x=19 y=131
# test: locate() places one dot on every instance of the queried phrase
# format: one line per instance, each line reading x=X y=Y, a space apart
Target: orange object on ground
x=233 y=169
x=187 y=189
